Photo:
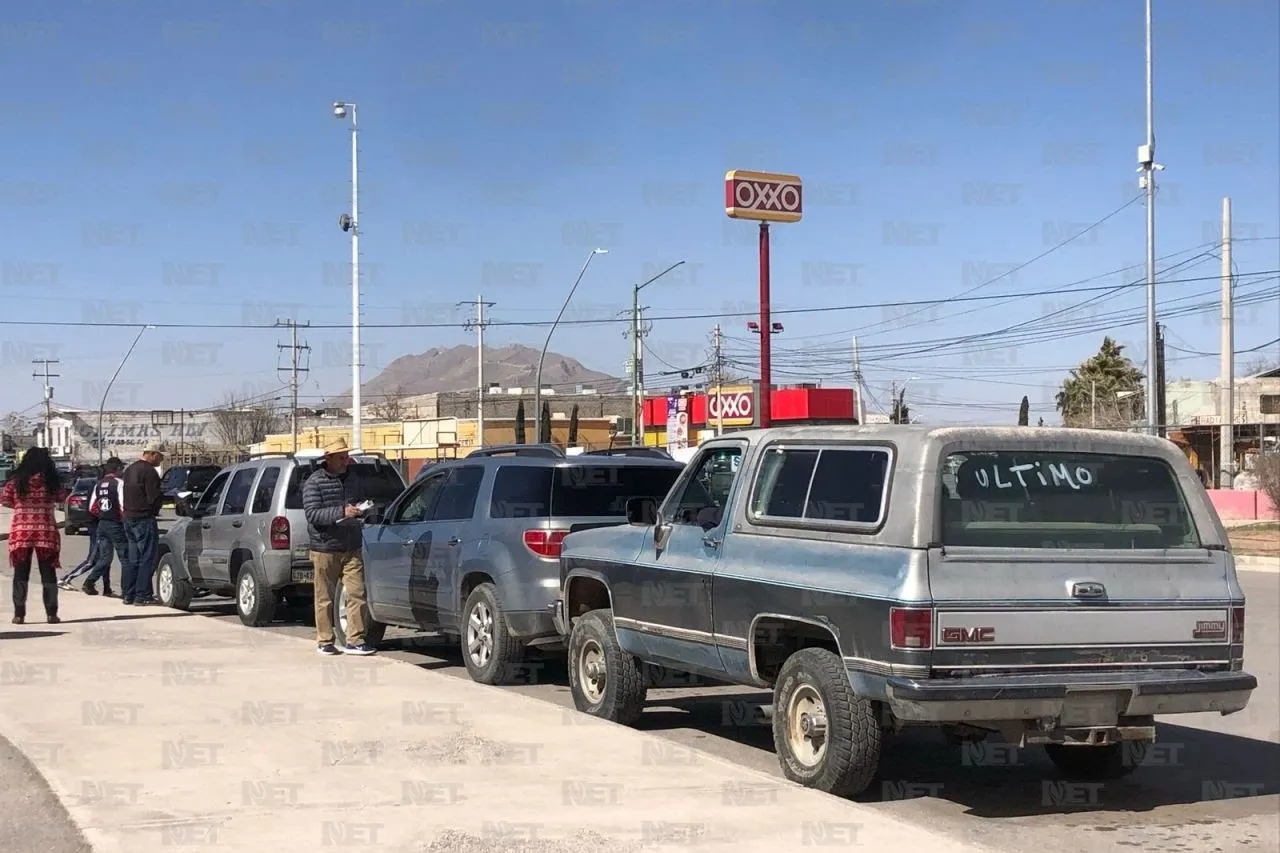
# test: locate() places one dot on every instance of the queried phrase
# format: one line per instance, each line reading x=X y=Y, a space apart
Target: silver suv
x=245 y=535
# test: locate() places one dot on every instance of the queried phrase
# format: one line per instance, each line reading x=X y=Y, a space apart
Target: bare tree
x=393 y=406
x=237 y=422
x=1259 y=364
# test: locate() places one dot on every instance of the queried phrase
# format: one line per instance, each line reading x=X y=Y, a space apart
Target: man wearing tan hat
x=329 y=499
x=142 y=498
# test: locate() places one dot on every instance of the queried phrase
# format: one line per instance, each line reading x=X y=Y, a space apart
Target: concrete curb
x=1251 y=563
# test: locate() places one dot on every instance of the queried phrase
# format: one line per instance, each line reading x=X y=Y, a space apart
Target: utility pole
x=48 y=395
x=1161 y=383
x=637 y=333
x=717 y=365
x=1093 y=404
x=294 y=349
x=857 y=384
x=478 y=324
x=1148 y=167
x=1227 y=391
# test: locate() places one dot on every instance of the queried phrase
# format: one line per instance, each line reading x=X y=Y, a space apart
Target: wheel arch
x=774 y=637
x=585 y=591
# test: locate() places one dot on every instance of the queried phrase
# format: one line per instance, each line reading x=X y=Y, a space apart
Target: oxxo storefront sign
x=732 y=407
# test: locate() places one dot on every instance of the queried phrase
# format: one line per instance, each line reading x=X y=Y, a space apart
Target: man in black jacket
x=142 y=502
x=329 y=498
x=107 y=508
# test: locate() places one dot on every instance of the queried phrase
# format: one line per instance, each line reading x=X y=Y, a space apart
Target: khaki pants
x=347 y=567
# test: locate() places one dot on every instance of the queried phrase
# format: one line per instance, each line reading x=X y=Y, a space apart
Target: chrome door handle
x=408 y=543
x=237 y=524
x=207 y=526
x=710 y=541
x=455 y=541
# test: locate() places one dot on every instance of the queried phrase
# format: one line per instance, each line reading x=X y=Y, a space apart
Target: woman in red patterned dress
x=32 y=492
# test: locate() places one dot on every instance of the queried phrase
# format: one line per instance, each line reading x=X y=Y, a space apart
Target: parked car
x=76 y=509
x=1061 y=590
x=470 y=550
x=245 y=534
x=186 y=478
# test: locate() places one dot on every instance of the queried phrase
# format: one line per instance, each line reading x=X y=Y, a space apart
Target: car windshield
x=1019 y=499
x=381 y=483
x=200 y=478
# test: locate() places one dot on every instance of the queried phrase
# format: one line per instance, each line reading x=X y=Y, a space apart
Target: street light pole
x=637 y=358
x=1148 y=167
x=351 y=223
x=102 y=442
x=537 y=389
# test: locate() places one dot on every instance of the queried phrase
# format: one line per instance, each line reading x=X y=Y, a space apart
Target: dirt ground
x=1256 y=539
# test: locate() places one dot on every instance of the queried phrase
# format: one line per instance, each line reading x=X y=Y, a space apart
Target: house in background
x=1194 y=410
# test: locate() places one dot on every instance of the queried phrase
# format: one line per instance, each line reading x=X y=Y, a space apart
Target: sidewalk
x=159 y=729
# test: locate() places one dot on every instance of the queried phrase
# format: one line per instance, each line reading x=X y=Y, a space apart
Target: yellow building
x=418 y=442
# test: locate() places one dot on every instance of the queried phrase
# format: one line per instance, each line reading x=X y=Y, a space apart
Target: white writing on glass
x=1059 y=473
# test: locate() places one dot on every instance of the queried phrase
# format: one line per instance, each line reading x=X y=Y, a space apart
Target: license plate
x=1082 y=710
x=303 y=575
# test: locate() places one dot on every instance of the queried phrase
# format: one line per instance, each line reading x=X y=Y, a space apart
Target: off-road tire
x=1098 y=763
x=180 y=591
x=260 y=609
x=374 y=632
x=506 y=653
x=851 y=756
x=625 y=689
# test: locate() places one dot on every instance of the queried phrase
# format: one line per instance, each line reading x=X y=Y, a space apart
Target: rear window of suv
x=381 y=483
x=576 y=491
x=1016 y=499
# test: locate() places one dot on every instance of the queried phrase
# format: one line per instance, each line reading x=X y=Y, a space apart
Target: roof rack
x=643 y=452
x=545 y=451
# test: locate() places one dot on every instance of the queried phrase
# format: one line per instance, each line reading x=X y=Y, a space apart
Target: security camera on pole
x=764 y=197
x=350 y=223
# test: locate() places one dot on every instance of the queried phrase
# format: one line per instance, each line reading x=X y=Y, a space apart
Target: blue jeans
x=143 y=535
x=111 y=537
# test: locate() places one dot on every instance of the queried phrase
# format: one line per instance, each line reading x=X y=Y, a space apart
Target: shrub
x=1268 y=471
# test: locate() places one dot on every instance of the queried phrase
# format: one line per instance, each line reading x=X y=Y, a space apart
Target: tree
x=544 y=423
x=1268 y=473
x=1024 y=412
x=1104 y=391
x=573 y=427
x=239 y=423
x=520 y=436
x=392 y=406
x=1259 y=364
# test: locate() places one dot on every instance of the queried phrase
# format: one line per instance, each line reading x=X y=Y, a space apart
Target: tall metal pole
x=357 y=433
x=102 y=441
x=1227 y=390
x=637 y=381
x=480 y=371
x=857 y=384
x=294 y=348
x=48 y=396
x=765 y=419
x=1148 y=167
x=719 y=362
x=537 y=391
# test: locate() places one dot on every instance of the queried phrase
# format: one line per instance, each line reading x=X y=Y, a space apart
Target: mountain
x=454 y=369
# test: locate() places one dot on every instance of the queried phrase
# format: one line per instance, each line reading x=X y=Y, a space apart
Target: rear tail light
x=910 y=628
x=545 y=543
x=1237 y=625
x=280 y=533
x=76 y=501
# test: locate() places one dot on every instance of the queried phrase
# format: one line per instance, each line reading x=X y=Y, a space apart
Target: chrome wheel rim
x=165 y=583
x=248 y=593
x=342 y=611
x=807 y=726
x=592 y=672
x=480 y=635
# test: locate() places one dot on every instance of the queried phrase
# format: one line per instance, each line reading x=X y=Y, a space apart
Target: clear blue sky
x=173 y=166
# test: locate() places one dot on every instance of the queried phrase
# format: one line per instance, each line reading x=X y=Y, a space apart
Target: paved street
x=1213 y=784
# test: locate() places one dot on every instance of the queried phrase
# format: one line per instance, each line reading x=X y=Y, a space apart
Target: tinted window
x=1065 y=500
x=238 y=492
x=421 y=500
x=783 y=482
x=85 y=486
x=198 y=479
x=266 y=489
x=706 y=493
x=458 y=499
x=603 y=490
x=172 y=477
x=208 y=501
x=848 y=485
x=381 y=483
x=521 y=491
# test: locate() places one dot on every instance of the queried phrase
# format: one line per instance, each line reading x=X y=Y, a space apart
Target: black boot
x=90 y=589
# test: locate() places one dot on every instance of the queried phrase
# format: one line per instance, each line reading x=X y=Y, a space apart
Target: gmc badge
x=968 y=635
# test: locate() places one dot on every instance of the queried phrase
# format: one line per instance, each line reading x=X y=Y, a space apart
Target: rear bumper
x=557 y=617
x=1050 y=696
x=529 y=625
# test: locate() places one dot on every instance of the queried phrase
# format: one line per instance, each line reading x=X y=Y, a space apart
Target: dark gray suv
x=472 y=548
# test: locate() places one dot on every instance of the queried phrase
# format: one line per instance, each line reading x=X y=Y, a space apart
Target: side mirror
x=374 y=518
x=642 y=511
x=180 y=508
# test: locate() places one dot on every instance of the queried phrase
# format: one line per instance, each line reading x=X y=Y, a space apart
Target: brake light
x=1237 y=625
x=910 y=628
x=280 y=533
x=545 y=543
x=76 y=501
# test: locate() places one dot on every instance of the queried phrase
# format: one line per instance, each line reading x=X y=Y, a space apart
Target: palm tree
x=573 y=427
x=1094 y=389
x=520 y=422
x=1024 y=412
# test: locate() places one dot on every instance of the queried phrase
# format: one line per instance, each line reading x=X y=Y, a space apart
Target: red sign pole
x=766 y=334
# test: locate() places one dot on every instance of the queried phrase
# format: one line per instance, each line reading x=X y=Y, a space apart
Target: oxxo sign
x=735 y=407
x=762 y=196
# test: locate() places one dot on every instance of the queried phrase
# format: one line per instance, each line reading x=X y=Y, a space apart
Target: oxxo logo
x=765 y=195
x=737 y=406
